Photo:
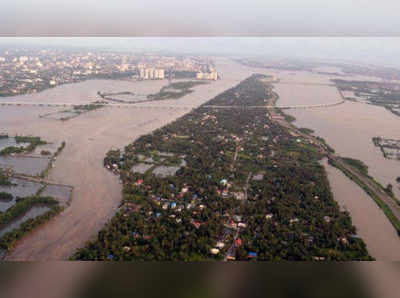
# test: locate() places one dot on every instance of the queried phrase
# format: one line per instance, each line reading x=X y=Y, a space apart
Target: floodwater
x=51 y=147
x=372 y=225
x=62 y=193
x=11 y=142
x=26 y=165
x=32 y=213
x=21 y=188
x=86 y=92
x=97 y=193
x=349 y=129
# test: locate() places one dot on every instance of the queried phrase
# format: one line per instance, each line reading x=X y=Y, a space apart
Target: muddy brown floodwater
x=97 y=192
x=349 y=129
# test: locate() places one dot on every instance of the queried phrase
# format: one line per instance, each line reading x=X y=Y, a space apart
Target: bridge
x=171 y=107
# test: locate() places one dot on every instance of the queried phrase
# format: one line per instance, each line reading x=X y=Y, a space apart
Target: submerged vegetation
x=4 y=179
x=249 y=191
x=32 y=142
x=175 y=90
x=23 y=206
x=358 y=164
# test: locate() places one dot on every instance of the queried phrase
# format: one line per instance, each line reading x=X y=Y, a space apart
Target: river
x=97 y=192
x=349 y=129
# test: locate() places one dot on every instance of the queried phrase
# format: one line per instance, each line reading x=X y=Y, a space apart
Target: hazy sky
x=200 y=17
x=366 y=50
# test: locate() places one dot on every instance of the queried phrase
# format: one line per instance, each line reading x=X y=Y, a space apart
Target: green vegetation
x=329 y=148
x=185 y=74
x=289 y=118
x=358 y=164
x=306 y=130
x=384 y=94
x=363 y=169
x=389 y=190
x=386 y=209
x=18 y=210
x=287 y=213
x=175 y=90
x=4 y=179
x=45 y=153
x=12 y=150
x=4 y=196
x=33 y=143
x=87 y=108
x=49 y=166
x=390 y=148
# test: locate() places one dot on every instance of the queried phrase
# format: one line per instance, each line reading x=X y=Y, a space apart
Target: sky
x=383 y=51
x=199 y=18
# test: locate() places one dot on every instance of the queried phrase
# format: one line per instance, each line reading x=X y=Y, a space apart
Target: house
x=237 y=218
x=225 y=193
x=214 y=251
x=238 y=242
x=196 y=224
x=239 y=195
x=220 y=244
x=252 y=255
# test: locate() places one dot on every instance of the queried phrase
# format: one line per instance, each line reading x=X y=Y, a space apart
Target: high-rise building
x=151 y=73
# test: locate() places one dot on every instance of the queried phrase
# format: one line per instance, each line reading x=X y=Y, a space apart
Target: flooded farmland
x=19 y=188
x=96 y=193
x=11 y=142
x=62 y=193
x=26 y=165
x=32 y=213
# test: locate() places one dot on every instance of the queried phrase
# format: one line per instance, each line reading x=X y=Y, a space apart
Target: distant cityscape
x=31 y=71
